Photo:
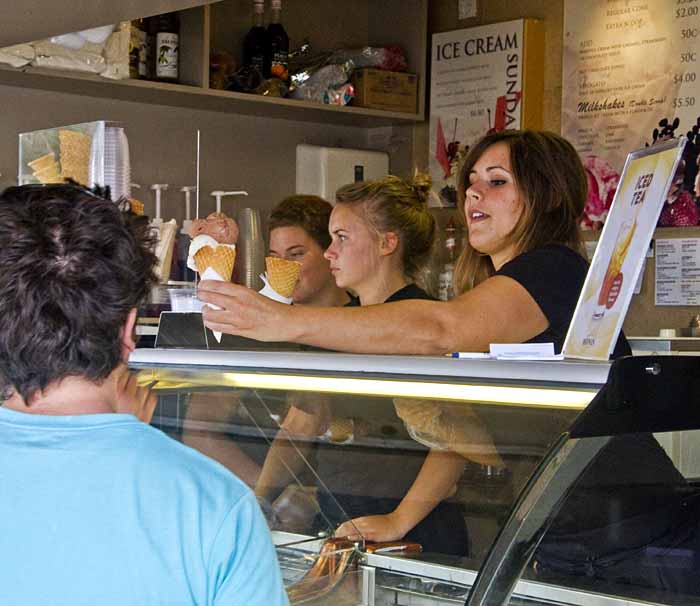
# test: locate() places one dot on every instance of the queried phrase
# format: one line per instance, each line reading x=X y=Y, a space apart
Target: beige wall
x=239 y=152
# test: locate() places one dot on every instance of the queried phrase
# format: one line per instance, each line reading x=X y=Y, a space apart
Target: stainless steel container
x=251 y=248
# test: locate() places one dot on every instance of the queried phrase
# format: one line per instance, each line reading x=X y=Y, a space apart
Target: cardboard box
x=379 y=89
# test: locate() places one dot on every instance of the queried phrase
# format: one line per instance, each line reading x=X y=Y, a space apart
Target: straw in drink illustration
x=612 y=282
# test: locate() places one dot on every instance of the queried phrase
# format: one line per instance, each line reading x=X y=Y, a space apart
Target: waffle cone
x=43 y=162
x=75 y=155
x=341 y=429
x=220 y=259
x=50 y=174
x=282 y=275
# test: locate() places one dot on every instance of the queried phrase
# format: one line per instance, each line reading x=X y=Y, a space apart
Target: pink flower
x=682 y=212
x=602 y=184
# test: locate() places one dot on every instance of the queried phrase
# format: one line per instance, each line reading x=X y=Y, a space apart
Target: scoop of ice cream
x=218 y=226
x=197 y=244
x=603 y=180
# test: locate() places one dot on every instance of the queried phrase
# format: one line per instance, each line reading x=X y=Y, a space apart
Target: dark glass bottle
x=277 y=55
x=254 y=42
x=164 y=33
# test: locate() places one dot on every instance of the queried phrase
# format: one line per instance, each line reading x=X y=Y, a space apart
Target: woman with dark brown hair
x=521 y=193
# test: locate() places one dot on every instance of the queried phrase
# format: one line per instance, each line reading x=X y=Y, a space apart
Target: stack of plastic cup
x=117 y=168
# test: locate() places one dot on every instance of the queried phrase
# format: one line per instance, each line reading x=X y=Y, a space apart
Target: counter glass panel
x=427 y=461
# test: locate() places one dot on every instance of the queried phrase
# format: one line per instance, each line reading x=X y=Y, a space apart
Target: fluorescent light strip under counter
x=575 y=399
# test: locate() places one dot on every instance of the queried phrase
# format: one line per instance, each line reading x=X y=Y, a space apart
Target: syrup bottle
x=254 y=43
x=164 y=32
x=277 y=55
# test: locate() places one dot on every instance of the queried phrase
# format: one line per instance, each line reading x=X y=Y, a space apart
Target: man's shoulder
x=171 y=461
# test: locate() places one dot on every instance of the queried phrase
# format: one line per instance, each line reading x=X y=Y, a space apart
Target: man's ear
x=127 y=335
x=389 y=243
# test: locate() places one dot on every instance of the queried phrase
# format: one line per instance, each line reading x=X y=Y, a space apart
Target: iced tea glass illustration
x=612 y=282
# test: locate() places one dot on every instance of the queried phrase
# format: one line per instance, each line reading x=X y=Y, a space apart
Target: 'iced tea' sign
x=621 y=251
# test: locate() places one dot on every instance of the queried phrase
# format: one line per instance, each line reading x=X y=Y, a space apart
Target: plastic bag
x=390 y=58
x=18 y=55
x=99 y=51
x=318 y=82
x=116 y=53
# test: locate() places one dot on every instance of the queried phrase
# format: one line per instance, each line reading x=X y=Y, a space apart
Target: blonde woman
x=382 y=235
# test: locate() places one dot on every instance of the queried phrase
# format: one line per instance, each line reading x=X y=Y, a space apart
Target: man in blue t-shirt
x=96 y=506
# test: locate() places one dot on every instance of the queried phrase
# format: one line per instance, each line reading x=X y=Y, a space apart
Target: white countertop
x=563 y=371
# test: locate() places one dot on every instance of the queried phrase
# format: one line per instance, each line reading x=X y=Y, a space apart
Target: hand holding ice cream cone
x=213 y=247
x=212 y=251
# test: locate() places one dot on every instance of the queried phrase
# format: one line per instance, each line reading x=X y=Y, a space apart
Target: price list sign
x=678 y=272
x=628 y=64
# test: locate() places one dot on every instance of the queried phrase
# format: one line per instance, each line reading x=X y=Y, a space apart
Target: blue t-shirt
x=105 y=510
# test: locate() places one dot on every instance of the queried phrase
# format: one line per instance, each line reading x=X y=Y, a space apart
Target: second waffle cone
x=282 y=274
x=220 y=259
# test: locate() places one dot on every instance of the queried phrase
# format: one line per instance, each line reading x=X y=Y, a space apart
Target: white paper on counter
x=524 y=351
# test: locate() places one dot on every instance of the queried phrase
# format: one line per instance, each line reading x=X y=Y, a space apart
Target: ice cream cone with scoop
x=280 y=279
x=212 y=252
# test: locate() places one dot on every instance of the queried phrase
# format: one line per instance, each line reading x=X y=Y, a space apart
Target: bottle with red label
x=277 y=55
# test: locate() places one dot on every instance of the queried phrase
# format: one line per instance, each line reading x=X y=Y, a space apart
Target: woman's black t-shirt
x=367 y=481
x=554 y=276
x=410 y=291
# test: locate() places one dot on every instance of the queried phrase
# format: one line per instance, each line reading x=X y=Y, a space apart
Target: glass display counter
x=395 y=479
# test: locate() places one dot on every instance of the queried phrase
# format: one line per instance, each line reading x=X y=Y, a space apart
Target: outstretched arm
x=435 y=481
x=285 y=459
x=499 y=310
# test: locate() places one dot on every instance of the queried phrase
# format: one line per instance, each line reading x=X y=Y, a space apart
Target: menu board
x=621 y=251
x=627 y=65
x=677 y=272
x=476 y=85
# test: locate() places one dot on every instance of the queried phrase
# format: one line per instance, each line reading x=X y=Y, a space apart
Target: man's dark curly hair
x=72 y=266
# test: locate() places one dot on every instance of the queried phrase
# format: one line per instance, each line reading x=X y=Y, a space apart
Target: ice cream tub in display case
x=53 y=155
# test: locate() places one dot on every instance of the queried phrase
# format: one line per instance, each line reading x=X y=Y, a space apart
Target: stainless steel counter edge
x=462 y=576
x=564 y=371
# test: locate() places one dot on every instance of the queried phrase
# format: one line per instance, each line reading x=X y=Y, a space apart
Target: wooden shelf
x=223 y=24
x=182 y=95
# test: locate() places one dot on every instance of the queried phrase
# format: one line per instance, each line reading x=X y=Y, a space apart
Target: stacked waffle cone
x=46 y=169
x=282 y=275
x=75 y=155
x=220 y=258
